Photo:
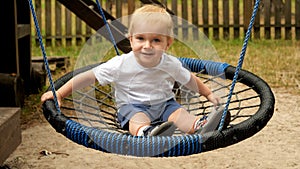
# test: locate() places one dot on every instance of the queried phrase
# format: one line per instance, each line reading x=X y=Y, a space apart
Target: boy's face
x=148 y=46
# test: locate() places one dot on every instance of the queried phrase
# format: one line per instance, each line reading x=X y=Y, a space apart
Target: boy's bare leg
x=137 y=121
x=183 y=120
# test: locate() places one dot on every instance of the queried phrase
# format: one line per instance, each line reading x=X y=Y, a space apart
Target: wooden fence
x=218 y=19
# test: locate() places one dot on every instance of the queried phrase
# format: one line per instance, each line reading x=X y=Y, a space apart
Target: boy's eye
x=156 y=40
x=139 y=38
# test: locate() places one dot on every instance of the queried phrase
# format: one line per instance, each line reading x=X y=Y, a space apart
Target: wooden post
x=68 y=18
x=236 y=19
x=205 y=10
x=195 y=19
x=58 y=31
x=9 y=17
x=48 y=23
x=17 y=47
x=256 y=25
x=78 y=31
x=16 y=71
x=226 y=19
x=297 y=21
x=184 y=9
x=24 y=44
x=248 y=7
x=109 y=5
x=216 y=20
x=131 y=6
x=288 y=19
x=38 y=11
x=267 y=15
x=278 y=13
x=119 y=9
x=175 y=19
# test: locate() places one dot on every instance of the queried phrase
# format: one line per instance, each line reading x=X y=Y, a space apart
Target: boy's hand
x=49 y=95
x=215 y=100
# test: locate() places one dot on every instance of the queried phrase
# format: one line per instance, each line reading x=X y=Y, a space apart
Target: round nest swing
x=88 y=116
x=251 y=108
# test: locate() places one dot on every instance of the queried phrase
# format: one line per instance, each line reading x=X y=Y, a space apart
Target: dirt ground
x=275 y=146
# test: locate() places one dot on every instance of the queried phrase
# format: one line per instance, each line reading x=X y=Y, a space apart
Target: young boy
x=143 y=80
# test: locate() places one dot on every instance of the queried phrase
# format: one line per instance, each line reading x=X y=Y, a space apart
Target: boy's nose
x=147 y=44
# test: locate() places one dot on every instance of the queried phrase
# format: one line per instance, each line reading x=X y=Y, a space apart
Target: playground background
x=275 y=146
x=226 y=19
x=276 y=60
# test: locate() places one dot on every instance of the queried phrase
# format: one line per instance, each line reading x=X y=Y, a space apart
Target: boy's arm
x=196 y=85
x=80 y=81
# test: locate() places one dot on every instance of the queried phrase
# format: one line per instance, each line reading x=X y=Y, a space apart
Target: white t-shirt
x=136 y=84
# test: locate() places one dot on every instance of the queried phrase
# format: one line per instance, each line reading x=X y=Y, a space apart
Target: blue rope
x=107 y=26
x=44 y=55
x=240 y=62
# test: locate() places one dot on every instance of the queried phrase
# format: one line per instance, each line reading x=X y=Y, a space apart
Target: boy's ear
x=170 y=41
x=130 y=39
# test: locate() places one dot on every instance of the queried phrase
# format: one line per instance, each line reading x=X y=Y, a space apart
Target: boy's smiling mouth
x=148 y=54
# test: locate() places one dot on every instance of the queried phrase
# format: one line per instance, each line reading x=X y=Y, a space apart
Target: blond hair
x=151 y=14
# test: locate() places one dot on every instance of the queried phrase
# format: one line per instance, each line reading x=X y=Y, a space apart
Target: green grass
x=275 y=61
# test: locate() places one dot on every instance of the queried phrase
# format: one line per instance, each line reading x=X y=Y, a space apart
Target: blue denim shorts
x=156 y=113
